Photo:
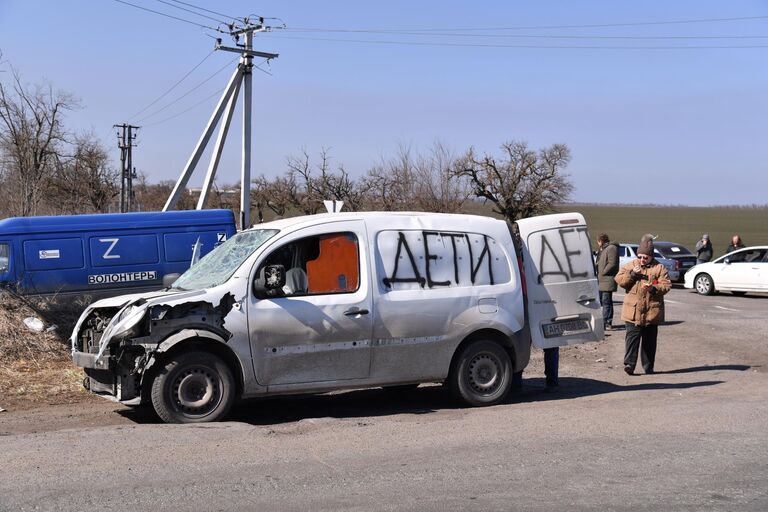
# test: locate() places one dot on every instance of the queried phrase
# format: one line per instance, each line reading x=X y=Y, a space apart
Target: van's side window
x=4 y=254
x=319 y=264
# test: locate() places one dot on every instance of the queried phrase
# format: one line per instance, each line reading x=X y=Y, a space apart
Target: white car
x=739 y=272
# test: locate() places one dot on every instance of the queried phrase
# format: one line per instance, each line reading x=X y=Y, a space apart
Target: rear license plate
x=564 y=328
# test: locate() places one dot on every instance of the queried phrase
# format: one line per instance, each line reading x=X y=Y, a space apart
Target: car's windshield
x=219 y=265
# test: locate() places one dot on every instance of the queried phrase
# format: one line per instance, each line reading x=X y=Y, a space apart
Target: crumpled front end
x=115 y=340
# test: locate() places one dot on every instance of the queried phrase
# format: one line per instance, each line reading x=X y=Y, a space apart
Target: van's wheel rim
x=196 y=391
x=484 y=373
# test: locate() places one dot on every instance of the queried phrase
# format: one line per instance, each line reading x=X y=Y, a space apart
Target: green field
x=683 y=225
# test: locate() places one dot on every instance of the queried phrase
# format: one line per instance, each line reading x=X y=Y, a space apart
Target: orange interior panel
x=335 y=269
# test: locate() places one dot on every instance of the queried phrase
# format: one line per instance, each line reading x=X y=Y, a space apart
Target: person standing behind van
x=703 y=249
x=645 y=281
x=607 y=268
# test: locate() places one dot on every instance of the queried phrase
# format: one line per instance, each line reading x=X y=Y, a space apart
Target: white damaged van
x=347 y=300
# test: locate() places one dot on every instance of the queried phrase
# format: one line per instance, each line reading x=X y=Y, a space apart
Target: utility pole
x=242 y=76
x=125 y=141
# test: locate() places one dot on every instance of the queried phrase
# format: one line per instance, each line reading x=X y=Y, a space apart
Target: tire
x=704 y=284
x=739 y=294
x=482 y=374
x=194 y=387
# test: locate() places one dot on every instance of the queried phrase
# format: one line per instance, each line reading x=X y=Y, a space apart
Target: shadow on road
x=423 y=400
x=735 y=367
x=534 y=389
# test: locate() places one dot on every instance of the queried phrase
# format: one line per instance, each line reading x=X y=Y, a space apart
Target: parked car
x=679 y=254
x=738 y=272
x=628 y=252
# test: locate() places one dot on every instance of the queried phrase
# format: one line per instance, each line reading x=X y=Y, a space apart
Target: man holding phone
x=645 y=281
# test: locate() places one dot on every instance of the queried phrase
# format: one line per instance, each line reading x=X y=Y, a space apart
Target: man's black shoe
x=628 y=370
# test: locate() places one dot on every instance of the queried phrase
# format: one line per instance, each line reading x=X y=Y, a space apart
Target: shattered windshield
x=219 y=265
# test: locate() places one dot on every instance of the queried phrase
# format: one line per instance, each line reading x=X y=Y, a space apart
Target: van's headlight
x=127 y=322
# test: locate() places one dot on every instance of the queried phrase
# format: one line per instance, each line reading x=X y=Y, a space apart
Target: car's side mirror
x=269 y=282
x=727 y=261
x=169 y=279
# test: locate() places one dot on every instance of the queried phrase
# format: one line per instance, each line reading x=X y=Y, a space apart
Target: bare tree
x=84 y=181
x=521 y=183
x=31 y=136
x=313 y=184
x=391 y=184
x=436 y=188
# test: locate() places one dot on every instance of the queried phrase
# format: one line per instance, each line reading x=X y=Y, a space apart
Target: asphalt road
x=691 y=437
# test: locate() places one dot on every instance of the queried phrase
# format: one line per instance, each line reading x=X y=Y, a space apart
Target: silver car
x=628 y=252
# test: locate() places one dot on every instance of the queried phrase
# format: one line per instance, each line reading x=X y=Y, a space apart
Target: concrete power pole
x=125 y=141
x=242 y=76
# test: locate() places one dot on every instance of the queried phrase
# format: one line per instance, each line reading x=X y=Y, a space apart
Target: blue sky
x=670 y=126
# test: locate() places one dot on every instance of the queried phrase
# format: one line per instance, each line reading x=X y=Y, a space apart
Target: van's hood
x=134 y=306
x=123 y=300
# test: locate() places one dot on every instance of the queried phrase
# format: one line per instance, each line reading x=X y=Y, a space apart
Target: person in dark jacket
x=607 y=268
x=703 y=249
x=645 y=281
x=736 y=244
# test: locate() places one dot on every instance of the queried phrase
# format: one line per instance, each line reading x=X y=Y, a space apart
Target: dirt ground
x=48 y=395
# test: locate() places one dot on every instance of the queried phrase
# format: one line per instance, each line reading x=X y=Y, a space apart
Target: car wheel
x=482 y=374
x=704 y=284
x=739 y=294
x=194 y=387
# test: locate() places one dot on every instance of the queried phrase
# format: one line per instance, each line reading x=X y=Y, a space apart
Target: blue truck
x=105 y=254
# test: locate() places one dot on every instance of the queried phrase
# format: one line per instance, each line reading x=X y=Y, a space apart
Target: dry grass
x=35 y=367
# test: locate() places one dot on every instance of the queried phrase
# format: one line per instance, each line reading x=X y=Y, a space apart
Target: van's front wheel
x=194 y=387
x=482 y=374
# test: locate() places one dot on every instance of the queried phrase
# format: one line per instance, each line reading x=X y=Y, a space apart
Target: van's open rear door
x=563 y=297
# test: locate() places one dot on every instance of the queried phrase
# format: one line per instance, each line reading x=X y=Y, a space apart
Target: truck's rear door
x=563 y=297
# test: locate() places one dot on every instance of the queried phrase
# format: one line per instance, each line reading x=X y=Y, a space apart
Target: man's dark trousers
x=635 y=334
x=606 y=299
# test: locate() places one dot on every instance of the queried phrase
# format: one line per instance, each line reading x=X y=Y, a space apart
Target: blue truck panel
x=53 y=254
x=111 y=251
x=105 y=254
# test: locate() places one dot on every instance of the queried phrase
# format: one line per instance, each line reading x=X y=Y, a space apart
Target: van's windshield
x=218 y=265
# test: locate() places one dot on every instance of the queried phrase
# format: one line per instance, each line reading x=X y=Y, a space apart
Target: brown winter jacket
x=641 y=306
x=607 y=267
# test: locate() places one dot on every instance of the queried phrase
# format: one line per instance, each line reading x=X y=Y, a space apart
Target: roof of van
x=319 y=218
x=99 y=221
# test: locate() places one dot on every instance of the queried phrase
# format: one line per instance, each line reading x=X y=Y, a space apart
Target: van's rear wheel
x=194 y=387
x=482 y=374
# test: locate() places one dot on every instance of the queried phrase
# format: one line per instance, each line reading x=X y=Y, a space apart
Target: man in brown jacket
x=645 y=281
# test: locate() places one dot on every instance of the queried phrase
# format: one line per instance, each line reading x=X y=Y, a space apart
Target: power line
x=527 y=46
x=167 y=15
x=205 y=10
x=186 y=110
x=540 y=36
x=173 y=86
x=191 y=11
x=538 y=27
x=174 y=116
x=225 y=66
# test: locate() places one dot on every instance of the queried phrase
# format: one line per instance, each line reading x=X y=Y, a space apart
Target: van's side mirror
x=169 y=279
x=270 y=281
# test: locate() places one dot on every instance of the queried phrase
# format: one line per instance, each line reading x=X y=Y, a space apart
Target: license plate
x=563 y=328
